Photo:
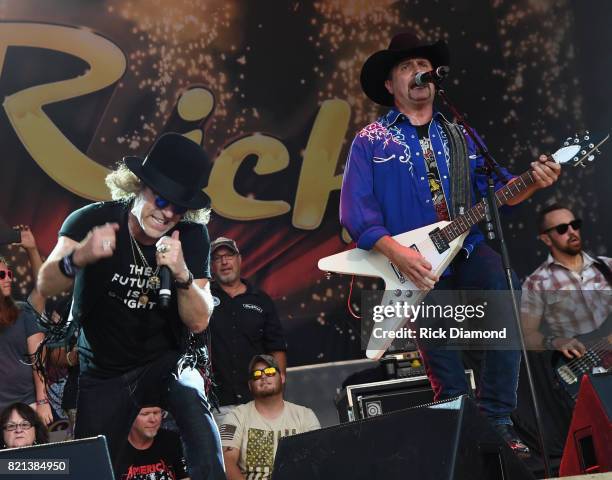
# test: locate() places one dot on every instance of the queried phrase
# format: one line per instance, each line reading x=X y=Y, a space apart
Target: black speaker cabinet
x=445 y=440
x=74 y=460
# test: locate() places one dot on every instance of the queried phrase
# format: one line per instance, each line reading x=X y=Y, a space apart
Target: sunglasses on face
x=25 y=425
x=161 y=203
x=562 y=228
x=268 y=372
x=6 y=273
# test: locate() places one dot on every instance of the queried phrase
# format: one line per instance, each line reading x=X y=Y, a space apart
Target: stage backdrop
x=271 y=89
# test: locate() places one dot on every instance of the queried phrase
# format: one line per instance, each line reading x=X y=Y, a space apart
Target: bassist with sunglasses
x=570 y=294
x=564 y=306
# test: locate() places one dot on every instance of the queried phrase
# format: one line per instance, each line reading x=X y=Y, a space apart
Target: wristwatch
x=548 y=342
x=185 y=285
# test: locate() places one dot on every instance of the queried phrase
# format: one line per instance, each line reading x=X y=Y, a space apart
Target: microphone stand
x=492 y=167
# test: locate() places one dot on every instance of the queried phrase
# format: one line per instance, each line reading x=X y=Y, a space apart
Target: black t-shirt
x=119 y=333
x=433 y=174
x=240 y=328
x=163 y=460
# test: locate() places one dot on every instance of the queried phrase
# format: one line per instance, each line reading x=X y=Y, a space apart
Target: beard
x=269 y=392
x=573 y=246
x=229 y=277
x=146 y=433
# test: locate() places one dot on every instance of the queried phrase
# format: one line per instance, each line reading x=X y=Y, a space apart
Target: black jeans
x=109 y=406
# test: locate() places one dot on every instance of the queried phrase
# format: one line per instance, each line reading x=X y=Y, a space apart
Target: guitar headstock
x=579 y=149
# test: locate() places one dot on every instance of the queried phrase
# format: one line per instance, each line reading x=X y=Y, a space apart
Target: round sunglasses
x=6 y=273
x=161 y=203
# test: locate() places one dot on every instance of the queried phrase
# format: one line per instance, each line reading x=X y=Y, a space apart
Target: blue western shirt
x=385 y=190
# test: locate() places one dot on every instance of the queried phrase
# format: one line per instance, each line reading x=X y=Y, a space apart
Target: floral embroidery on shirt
x=378 y=132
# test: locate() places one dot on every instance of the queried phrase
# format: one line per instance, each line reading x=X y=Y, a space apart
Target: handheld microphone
x=433 y=76
x=165 y=280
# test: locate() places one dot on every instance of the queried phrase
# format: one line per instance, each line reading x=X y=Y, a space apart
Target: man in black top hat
x=129 y=346
x=398 y=178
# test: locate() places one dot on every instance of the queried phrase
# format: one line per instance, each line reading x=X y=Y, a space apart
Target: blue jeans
x=109 y=406
x=499 y=369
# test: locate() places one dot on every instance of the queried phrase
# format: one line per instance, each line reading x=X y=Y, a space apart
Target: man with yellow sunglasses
x=250 y=432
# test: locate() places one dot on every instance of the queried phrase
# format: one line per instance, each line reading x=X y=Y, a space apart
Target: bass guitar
x=596 y=359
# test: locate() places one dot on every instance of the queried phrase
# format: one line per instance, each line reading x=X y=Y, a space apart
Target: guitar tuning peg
x=583 y=152
x=591 y=145
x=586 y=132
x=586 y=137
x=576 y=140
x=590 y=158
x=566 y=144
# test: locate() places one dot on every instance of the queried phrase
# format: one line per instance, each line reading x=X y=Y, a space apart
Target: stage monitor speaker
x=377 y=398
x=588 y=448
x=440 y=441
x=73 y=460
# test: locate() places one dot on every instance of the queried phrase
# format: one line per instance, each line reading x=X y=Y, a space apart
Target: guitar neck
x=574 y=151
x=478 y=212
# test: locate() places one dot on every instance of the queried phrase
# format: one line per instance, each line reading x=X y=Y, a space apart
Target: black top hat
x=177 y=169
x=403 y=45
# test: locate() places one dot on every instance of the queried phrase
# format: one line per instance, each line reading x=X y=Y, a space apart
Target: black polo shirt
x=240 y=328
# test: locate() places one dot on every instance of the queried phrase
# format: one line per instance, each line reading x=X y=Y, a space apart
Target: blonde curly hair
x=125 y=185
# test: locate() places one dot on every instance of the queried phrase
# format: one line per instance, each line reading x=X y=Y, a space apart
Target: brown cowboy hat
x=175 y=168
x=403 y=45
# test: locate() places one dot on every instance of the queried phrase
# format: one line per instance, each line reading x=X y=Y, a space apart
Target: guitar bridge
x=398 y=273
x=567 y=375
x=438 y=240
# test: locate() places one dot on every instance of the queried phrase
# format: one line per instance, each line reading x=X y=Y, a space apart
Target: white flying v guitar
x=439 y=243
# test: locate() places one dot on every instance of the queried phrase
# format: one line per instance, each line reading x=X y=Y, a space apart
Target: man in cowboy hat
x=129 y=346
x=398 y=178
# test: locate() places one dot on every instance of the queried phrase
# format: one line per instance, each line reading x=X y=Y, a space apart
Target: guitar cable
x=348 y=302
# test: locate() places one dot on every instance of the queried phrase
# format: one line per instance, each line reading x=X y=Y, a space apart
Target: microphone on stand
x=165 y=280
x=433 y=76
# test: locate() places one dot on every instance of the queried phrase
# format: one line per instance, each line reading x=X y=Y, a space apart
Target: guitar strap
x=461 y=188
x=602 y=266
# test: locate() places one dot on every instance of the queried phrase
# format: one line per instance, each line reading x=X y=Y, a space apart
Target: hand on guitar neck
x=409 y=261
x=545 y=172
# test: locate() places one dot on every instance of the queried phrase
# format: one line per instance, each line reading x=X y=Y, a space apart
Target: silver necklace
x=153 y=281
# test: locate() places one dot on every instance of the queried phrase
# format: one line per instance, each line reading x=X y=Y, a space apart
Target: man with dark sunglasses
x=560 y=298
x=132 y=351
x=250 y=433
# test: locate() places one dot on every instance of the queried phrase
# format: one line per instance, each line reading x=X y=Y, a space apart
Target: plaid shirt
x=571 y=303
